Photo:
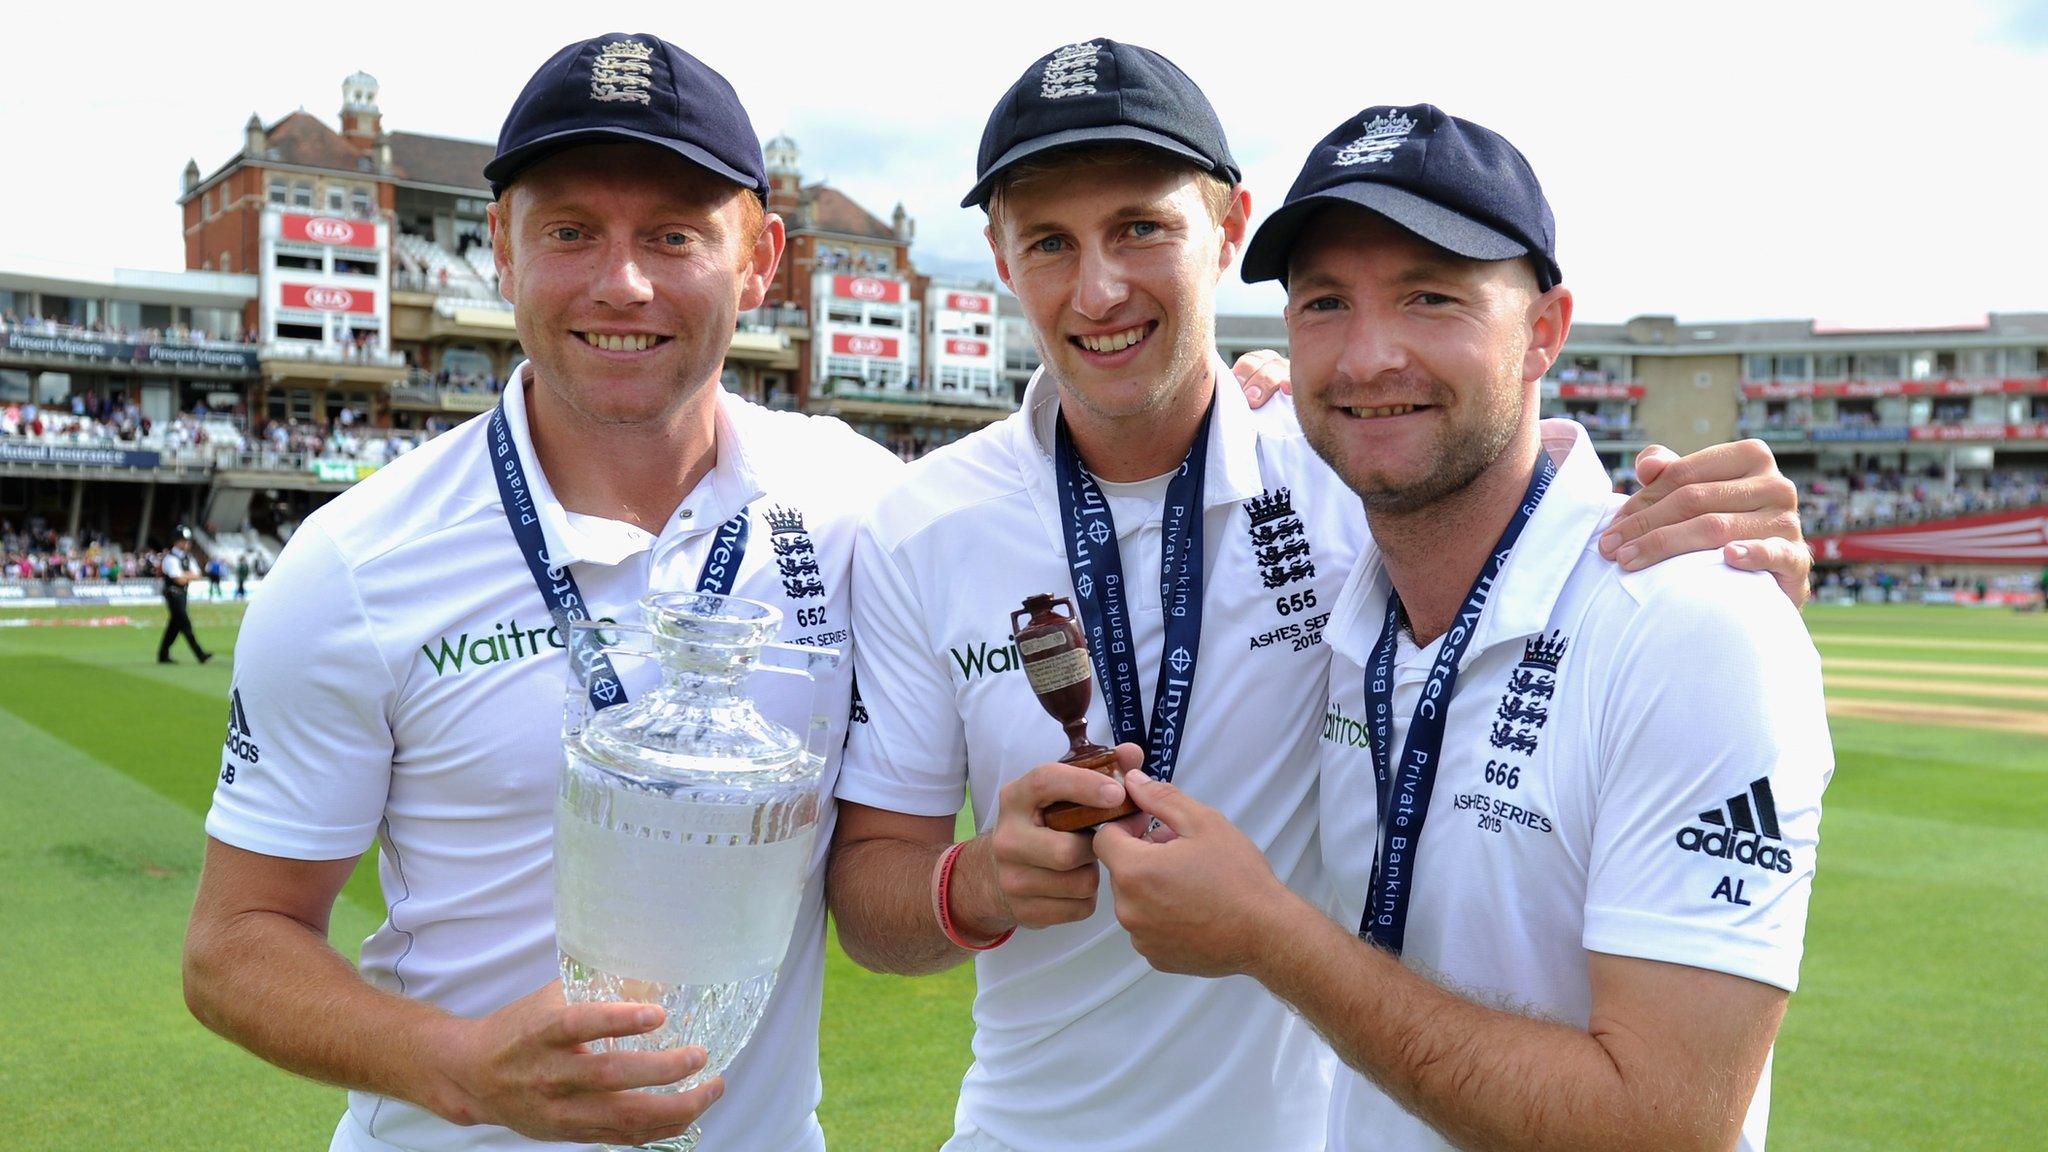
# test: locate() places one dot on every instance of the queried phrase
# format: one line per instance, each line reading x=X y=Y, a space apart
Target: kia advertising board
x=860 y=344
x=329 y=230
x=868 y=288
x=327 y=298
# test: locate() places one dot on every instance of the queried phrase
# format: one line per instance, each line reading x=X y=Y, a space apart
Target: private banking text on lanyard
x=1403 y=794
x=1097 y=568
x=558 y=585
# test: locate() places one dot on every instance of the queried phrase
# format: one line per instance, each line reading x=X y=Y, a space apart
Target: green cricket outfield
x=1919 y=1022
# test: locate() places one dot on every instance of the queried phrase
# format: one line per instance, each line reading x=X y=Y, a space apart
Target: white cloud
x=1868 y=163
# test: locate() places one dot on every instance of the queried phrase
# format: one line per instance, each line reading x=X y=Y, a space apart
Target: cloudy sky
x=1873 y=163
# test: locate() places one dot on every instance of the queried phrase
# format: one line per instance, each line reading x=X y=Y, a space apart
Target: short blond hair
x=1064 y=163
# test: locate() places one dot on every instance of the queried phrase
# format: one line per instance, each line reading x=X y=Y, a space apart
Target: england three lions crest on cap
x=1070 y=72
x=795 y=558
x=622 y=71
x=1279 y=542
x=1383 y=134
x=1525 y=706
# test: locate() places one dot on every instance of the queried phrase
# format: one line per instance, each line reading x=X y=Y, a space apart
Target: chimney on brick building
x=253 y=140
x=191 y=175
x=902 y=224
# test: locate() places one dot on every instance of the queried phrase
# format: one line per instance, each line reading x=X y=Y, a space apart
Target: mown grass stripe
x=100 y=876
x=1918 y=694
x=1928 y=668
x=2034 y=648
x=2018 y=694
x=172 y=745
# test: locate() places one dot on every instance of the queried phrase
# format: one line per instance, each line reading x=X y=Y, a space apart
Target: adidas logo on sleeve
x=1738 y=830
x=241 y=742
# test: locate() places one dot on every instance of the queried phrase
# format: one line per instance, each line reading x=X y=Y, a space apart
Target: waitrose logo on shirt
x=508 y=641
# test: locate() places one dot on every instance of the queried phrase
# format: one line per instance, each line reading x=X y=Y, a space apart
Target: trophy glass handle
x=806 y=662
x=586 y=639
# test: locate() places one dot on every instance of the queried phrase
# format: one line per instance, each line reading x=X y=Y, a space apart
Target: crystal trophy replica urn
x=686 y=819
x=1055 y=659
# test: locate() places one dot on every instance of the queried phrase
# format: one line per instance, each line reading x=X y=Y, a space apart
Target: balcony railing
x=770 y=317
x=843 y=389
x=407 y=280
x=332 y=354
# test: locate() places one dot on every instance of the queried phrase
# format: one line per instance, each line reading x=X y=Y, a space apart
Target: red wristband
x=942 y=891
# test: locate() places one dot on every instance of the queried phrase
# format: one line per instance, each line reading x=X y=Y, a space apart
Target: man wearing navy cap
x=400 y=676
x=1570 y=812
x=1201 y=544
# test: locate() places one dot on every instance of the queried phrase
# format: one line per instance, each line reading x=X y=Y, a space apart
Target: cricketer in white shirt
x=398 y=682
x=1078 y=1043
x=1634 y=766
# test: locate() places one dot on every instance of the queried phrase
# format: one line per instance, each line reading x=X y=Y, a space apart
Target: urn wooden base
x=1064 y=817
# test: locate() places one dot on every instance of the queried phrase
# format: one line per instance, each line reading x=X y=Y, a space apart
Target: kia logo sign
x=330 y=299
x=329 y=231
x=967 y=302
x=858 y=344
x=867 y=288
x=966 y=348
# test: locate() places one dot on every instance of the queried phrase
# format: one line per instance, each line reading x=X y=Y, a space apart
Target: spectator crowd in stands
x=1872 y=496
x=88 y=420
x=37 y=552
x=469 y=381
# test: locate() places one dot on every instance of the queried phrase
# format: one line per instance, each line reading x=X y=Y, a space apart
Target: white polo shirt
x=398 y=680
x=1078 y=1042
x=1633 y=765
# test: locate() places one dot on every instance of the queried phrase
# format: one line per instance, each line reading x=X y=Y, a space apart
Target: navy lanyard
x=1404 y=797
x=558 y=585
x=722 y=566
x=1097 y=567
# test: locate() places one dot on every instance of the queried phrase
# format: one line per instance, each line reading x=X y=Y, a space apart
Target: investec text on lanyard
x=558 y=585
x=1098 y=571
x=1404 y=796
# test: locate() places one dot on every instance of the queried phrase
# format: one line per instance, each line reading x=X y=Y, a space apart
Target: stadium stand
x=1853 y=499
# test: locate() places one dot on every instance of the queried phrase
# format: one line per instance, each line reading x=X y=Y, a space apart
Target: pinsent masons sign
x=327 y=298
x=328 y=230
x=95 y=348
x=855 y=344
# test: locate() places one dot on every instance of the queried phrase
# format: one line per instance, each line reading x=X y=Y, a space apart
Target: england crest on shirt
x=1525 y=706
x=1279 y=542
x=796 y=559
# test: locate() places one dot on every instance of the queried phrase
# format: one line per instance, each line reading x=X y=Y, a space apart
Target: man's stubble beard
x=1459 y=456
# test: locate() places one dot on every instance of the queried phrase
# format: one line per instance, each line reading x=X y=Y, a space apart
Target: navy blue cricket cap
x=1099 y=91
x=626 y=87
x=1453 y=183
